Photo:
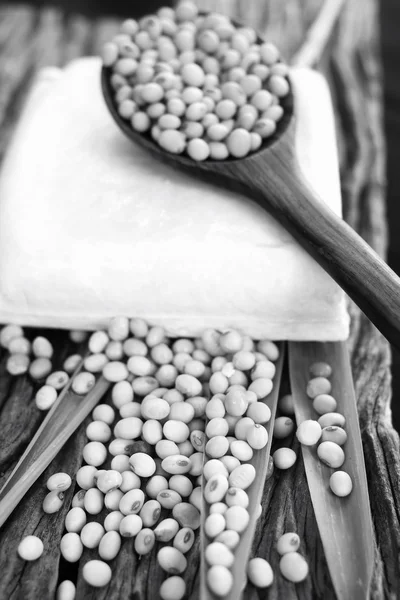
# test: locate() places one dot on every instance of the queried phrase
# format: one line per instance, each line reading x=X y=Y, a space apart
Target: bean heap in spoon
x=197 y=84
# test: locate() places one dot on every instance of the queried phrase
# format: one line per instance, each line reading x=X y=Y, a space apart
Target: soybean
x=94 y=453
x=66 y=590
x=91 y=534
x=214 y=466
x=214 y=524
x=110 y=545
x=112 y=520
x=59 y=481
x=340 y=483
x=333 y=418
x=57 y=379
x=71 y=547
x=187 y=515
x=237 y=518
x=176 y=431
x=168 y=498
x=40 y=368
x=115 y=371
x=288 y=542
x=242 y=476
x=218 y=507
x=150 y=513
x=293 y=567
x=320 y=369
x=109 y=480
x=82 y=383
x=260 y=573
x=331 y=454
x=30 y=548
x=144 y=541
x=217 y=446
x=165 y=448
x=96 y=573
x=142 y=464
x=216 y=488
x=112 y=499
x=53 y=501
x=78 y=499
x=229 y=538
x=256 y=436
x=75 y=520
x=173 y=588
x=237 y=497
x=286 y=405
x=284 y=458
x=129 y=428
x=155 y=408
x=166 y=530
x=324 y=403
x=317 y=386
x=98 y=431
x=171 y=560
x=242 y=450
x=184 y=539
x=217 y=553
x=283 y=427
x=155 y=485
x=98 y=342
x=334 y=434
x=219 y=580
x=309 y=432
x=130 y=525
x=103 y=412
x=18 y=364
x=176 y=464
x=259 y=412
x=132 y=502
x=42 y=348
x=8 y=333
x=242 y=426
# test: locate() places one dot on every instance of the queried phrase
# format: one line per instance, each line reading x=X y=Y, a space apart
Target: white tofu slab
x=91 y=226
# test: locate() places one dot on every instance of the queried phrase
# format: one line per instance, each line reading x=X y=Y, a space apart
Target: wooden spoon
x=273 y=178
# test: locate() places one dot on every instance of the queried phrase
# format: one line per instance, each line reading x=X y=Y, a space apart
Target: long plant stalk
x=344 y=524
x=63 y=419
x=260 y=462
x=319 y=34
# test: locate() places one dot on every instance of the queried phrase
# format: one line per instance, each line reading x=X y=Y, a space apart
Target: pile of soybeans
x=184 y=420
x=197 y=84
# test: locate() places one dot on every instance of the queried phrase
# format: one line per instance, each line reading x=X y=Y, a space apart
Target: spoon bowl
x=272 y=177
x=145 y=139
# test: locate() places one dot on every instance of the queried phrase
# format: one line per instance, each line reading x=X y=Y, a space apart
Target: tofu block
x=91 y=226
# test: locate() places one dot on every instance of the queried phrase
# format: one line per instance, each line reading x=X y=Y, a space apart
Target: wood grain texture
x=352 y=67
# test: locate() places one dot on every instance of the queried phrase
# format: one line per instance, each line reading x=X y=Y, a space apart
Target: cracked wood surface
x=32 y=38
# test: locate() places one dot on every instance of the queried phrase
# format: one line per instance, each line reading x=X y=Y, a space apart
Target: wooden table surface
x=33 y=38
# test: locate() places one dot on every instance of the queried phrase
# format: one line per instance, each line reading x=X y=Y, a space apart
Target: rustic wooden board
x=31 y=38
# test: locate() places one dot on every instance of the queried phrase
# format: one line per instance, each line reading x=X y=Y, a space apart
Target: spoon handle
x=278 y=186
